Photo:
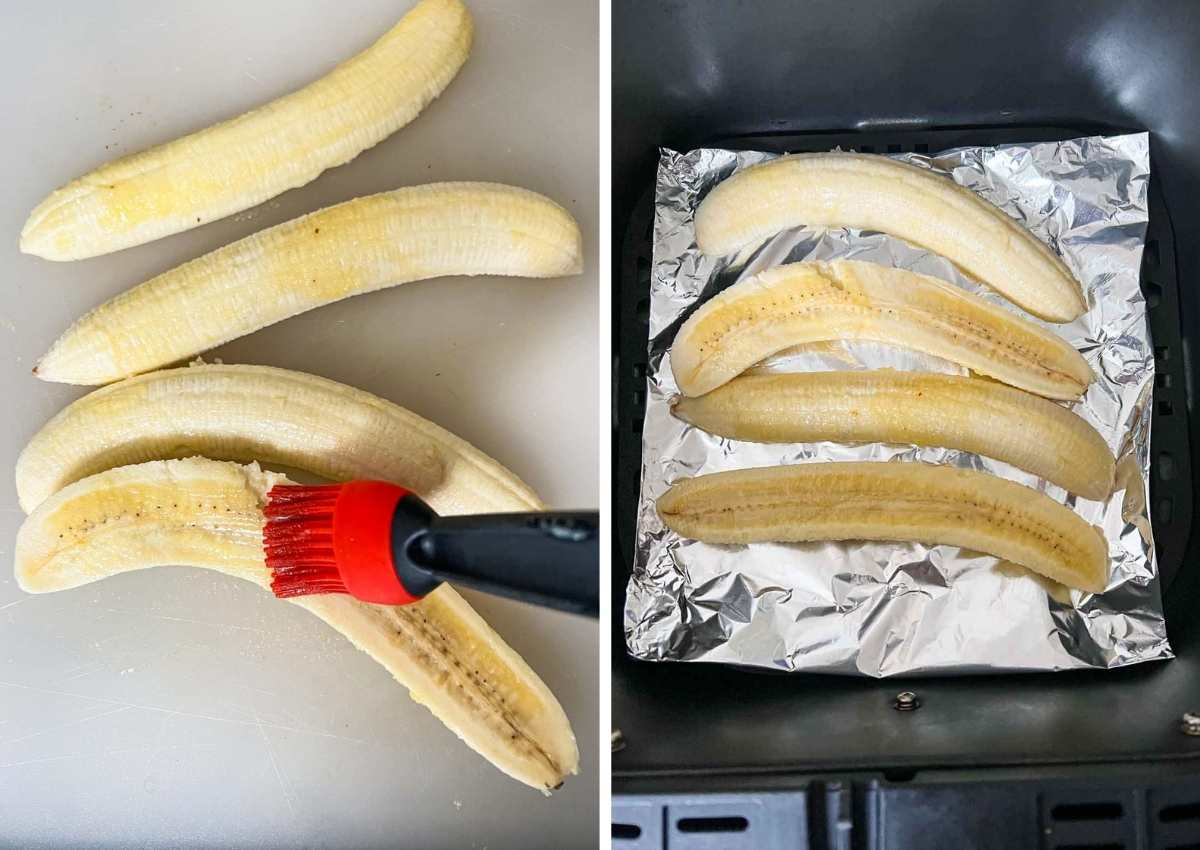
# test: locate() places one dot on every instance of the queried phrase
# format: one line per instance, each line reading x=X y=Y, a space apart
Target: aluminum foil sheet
x=880 y=609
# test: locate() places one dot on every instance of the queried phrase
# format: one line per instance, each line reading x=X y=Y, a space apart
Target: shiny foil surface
x=880 y=609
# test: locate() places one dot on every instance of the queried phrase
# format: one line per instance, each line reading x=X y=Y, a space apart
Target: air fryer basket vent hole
x=1162 y=381
x=643 y=309
x=1150 y=254
x=1087 y=811
x=735 y=823
x=1164 y=510
x=1184 y=811
x=1153 y=293
x=1165 y=408
x=643 y=270
x=1162 y=353
x=626 y=831
x=899 y=774
x=1166 y=466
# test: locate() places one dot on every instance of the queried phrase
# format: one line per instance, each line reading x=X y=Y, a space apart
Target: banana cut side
x=924 y=409
x=846 y=299
x=359 y=246
x=260 y=413
x=891 y=502
x=205 y=513
x=874 y=192
x=242 y=162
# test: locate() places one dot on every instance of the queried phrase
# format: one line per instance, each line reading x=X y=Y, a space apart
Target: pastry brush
x=382 y=543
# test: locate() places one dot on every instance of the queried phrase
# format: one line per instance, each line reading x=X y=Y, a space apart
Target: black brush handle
x=550 y=559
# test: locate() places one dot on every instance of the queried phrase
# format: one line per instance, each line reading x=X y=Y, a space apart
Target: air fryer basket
x=914 y=75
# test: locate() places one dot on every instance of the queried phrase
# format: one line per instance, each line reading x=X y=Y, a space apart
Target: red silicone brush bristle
x=334 y=538
x=298 y=539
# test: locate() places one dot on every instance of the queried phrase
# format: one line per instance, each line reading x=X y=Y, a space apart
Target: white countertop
x=181 y=707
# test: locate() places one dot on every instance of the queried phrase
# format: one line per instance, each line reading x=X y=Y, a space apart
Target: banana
x=242 y=162
x=358 y=246
x=248 y=413
x=877 y=193
x=205 y=513
x=891 y=501
x=925 y=409
x=338 y=432
x=846 y=299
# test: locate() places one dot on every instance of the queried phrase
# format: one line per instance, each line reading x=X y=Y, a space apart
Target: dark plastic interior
x=912 y=75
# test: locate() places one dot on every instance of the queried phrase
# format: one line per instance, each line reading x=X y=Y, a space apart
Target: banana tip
x=33 y=242
x=40 y=372
x=43 y=251
x=25 y=246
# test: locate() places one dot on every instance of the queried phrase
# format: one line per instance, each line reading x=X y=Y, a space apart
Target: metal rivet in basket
x=618 y=741
x=1189 y=724
x=907 y=701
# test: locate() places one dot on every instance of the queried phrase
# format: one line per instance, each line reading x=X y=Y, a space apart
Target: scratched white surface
x=182 y=708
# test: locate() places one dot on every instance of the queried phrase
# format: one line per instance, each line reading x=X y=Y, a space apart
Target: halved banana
x=846 y=299
x=206 y=513
x=891 y=501
x=259 y=413
x=358 y=246
x=242 y=162
x=925 y=409
x=878 y=193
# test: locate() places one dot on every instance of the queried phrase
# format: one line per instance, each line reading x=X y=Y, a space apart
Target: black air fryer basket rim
x=1170 y=435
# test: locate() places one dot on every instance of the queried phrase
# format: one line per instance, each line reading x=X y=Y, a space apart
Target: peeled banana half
x=205 y=513
x=878 y=193
x=891 y=502
x=846 y=299
x=260 y=413
x=358 y=246
x=925 y=409
x=242 y=162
